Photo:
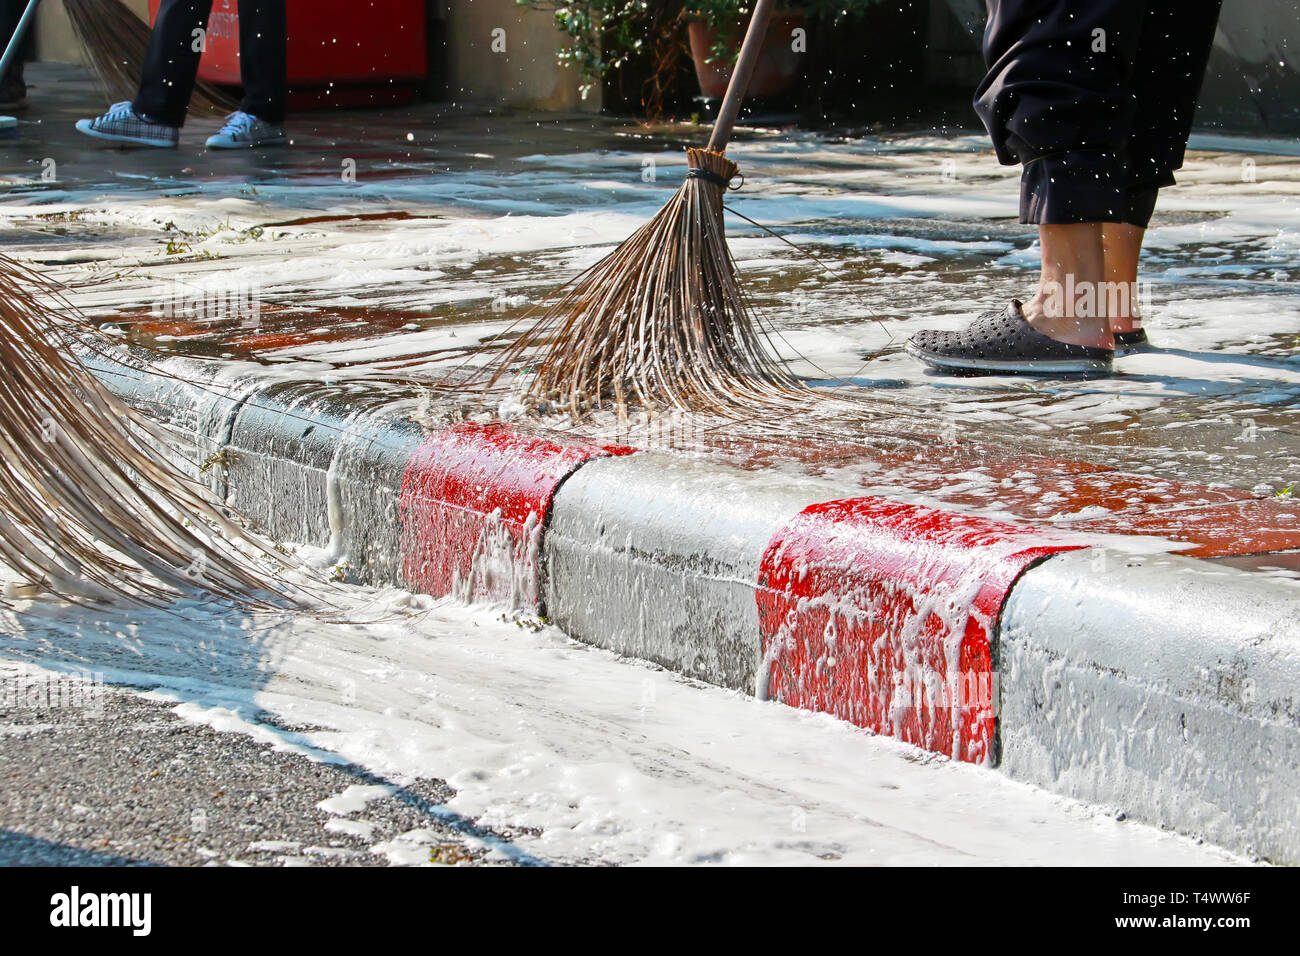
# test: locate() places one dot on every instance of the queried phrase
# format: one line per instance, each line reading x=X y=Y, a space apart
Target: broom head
x=116 y=42
x=90 y=508
x=661 y=322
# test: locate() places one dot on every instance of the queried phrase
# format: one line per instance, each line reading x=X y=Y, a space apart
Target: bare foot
x=1070 y=305
x=1045 y=316
x=1121 y=246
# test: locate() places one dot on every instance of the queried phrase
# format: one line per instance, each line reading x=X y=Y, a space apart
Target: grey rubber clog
x=1126 y=343
x=1004 y=343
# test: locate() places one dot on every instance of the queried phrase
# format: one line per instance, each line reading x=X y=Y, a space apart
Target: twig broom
x=89 y=508
x=116 y=42
x=662 y=321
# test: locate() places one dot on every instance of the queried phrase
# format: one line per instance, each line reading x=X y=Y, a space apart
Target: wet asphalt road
x=118 y=779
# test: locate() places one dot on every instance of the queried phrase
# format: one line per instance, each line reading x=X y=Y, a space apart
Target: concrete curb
x=1167 y=690
x=1166 y=687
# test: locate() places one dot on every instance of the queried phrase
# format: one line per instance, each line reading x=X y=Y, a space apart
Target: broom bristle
x=89 y=509
x=116 y=42
x=661 y=322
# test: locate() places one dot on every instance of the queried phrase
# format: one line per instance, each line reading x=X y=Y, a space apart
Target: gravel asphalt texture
x=123 y=780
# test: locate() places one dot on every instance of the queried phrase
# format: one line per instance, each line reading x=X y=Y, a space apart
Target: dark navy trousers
x=172 y=64
x=1095 y=99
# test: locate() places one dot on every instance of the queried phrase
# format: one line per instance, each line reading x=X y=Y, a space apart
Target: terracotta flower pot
x=778 y=66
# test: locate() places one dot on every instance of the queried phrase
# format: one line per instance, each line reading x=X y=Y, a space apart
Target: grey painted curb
x=1169 y=690
x=1166 y=687
x=307 y=462
x=656 y=556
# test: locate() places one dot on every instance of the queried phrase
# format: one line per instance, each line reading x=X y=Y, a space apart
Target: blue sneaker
x=244 y=130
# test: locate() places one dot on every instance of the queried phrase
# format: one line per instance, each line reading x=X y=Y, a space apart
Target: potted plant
x=605 y=35
x=717 y=27
x=714 y=28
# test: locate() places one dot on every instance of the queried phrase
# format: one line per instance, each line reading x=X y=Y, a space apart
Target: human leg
x=172 y=63
x=263 y=34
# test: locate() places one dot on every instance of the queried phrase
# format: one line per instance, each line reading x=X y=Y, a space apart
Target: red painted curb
x=474 y=500
x=880 y=613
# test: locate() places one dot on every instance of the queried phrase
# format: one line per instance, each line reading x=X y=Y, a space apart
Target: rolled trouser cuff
x=1141 y=204
x=1142 y=198
x=1071 y=187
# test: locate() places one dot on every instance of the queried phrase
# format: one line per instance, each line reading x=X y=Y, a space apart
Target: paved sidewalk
x=448 y=237
x=1004 y=535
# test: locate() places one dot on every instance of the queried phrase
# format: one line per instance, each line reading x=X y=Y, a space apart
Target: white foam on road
x=605 y=759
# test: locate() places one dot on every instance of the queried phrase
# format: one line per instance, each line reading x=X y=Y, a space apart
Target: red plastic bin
x=340 y=52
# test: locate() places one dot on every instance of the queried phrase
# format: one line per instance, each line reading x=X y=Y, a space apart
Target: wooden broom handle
x=749 y=51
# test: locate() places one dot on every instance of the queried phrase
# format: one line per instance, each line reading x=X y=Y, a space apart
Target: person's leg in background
x=13 y=89
x=167 y=77
x=171 y=66
x=1173 y=52
x=263 y=39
